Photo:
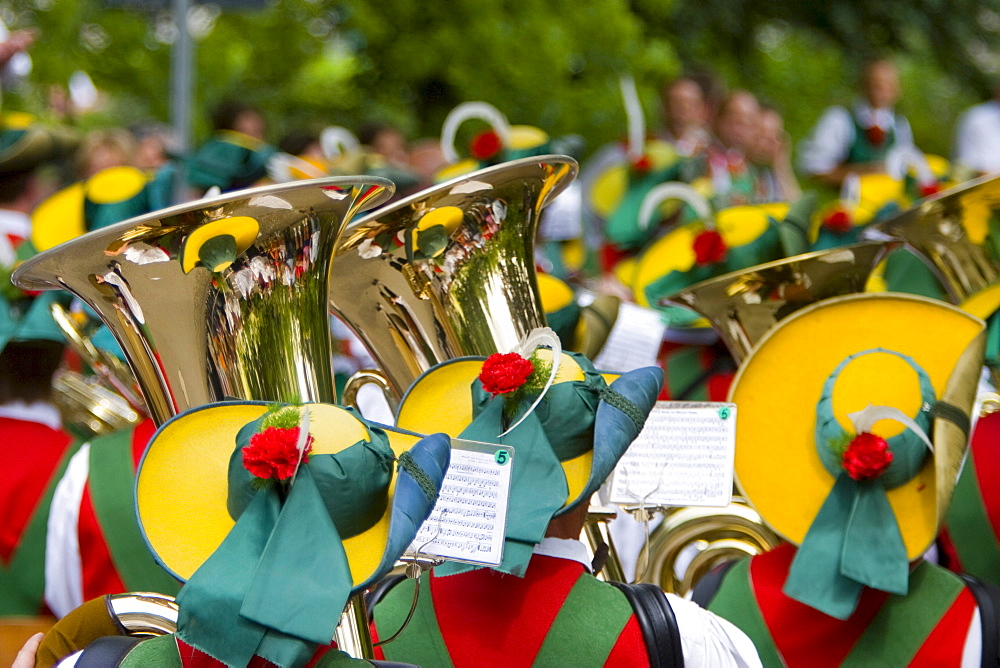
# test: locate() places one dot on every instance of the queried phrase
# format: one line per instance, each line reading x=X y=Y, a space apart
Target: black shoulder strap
x=988 y=599
x=658 y=624
x=107 y=651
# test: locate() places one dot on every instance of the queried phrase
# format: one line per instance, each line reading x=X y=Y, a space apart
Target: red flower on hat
x=709 y=248
x=929 y=189
x=876 y=136
x=642 y=164
x=485 y=145
x=838 y=221
x=273 y=453
x=504 y=373
x=867 y=457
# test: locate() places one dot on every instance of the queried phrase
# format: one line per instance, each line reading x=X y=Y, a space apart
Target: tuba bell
x=222 y=297
x=743 y=306
x=446 y=272
x=218 y=297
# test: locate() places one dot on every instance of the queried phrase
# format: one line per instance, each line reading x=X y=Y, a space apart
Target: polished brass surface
x=88 y=407
x=352 y=633
x=254 y=329
x=691 y=541
x=144 y=614
x=364 y=377
x=597 y=533
x=742 y=306
x=474 y=295
x=951 y=233
x=116 y=374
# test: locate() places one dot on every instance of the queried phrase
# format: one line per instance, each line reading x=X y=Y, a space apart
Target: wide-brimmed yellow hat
x=181 y=488
x=582 y=329
x=839 y=405
x=780 y=383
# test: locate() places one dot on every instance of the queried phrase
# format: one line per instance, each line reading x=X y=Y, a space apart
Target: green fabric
x=736 y=602
x=30 y=318
x=904 y=623
x=160 y=651
x=563 y=321
x=854 y=539
x=592 y=605
x=22 y=580
x=229 y=166
x=112 y=492
x=537 y=488
x=905 y=272
x=218 y=252
x=765 y=248
x=794 y=230
x=98 y=216
x=862 y=150
x=970 y=529
x=683 y=368
x=622 y=228
x=992 y=354
x=229 y=606
x=9 y=138
x=421 y=642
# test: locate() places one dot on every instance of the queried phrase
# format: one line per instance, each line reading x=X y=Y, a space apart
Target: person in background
x=728 y=165
x=771 y=154
x=387 y=141
x=236 y=156
x=104 y=148
x=857 y=140
x=977 y=137
x=686 y=117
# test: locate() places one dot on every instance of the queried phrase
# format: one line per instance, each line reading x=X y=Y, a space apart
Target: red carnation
x=709 y=248
x=272 y=453
x=838 y=221
x=929 y=189
x=485 y=145
x=642 y=164
x=867 y=457
x=503 y=373
x=875 y=135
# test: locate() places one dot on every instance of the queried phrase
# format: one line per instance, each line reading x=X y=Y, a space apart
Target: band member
x=273 y=530
x=541 y=605
x=852 y=458
x=858 y=140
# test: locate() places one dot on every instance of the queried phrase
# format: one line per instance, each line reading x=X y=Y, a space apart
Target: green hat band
x=855 y=540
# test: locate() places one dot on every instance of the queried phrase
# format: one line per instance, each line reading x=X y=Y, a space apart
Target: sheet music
x=634 y=340
x=683 y=457
x=469 y=520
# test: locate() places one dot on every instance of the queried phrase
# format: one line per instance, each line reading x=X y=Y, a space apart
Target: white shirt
x=977 y=138
x=830 y=141
x=706 y=638
x=12 y=224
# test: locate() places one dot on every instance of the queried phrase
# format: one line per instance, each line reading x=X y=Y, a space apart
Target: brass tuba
x=742 y=306
x=221 y=297
x=446 y=272
x=218 y=297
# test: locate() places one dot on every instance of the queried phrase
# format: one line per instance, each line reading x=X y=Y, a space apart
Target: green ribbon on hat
x=276 y=585
x=227 y=164
x=855 y=540
x=559 y=429
x=765 y=248
x=563 y=322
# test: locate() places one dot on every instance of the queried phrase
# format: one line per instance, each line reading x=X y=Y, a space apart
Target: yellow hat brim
x=115 y=184
x=780 y=383
x=59 y=218
x=674 y=251
x=441 y=401
x=181 y=487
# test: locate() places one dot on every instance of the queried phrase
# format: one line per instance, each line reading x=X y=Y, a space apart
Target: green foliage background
x=551 y=63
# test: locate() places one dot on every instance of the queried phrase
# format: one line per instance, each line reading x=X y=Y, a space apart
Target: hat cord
x=410 y=465
x=624 y=404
